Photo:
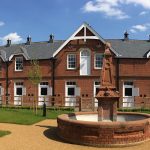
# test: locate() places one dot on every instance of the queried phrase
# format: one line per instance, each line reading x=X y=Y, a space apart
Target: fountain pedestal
x=107 y=96
x=107 y=104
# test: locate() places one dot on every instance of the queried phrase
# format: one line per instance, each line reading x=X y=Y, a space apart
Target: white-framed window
x=98 y=61
x=71 y=61
x=18 y=63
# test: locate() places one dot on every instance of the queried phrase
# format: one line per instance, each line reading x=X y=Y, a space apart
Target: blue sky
x=39 y=18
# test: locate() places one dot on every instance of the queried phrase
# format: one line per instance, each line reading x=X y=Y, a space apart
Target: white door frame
x=70 y=100
x=94 y=93
x=128 y=99
x=41 y=97
x=17 y=98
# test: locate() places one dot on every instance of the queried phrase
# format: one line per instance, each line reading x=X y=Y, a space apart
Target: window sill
x=18 y=70
x=69 y=69
x=97 y=68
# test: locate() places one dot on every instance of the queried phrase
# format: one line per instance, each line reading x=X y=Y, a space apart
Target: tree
x=35 y=77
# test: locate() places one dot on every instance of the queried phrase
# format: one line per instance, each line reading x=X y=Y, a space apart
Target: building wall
x=137 y=71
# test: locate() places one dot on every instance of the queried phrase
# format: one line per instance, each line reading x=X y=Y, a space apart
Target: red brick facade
x=124 y=69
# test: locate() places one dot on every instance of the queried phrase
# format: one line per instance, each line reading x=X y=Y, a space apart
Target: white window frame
x=100 y=54
x=16 y=63
x=68 y=67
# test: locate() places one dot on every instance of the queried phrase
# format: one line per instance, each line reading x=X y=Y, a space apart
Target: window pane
x=43 y=91
x=19 y=91
x=85 y=53
x=128 y=83
x=128 y=91
x=71 y=83
x=71 y=91
x=19 y=63
x=98 y=60
x=71 y=61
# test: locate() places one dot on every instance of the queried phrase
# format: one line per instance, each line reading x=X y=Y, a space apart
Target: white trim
x=84 y=34
x=15 y=63
x=11 y=56
x=84 y=25
x=84 y=37
x=2 y=58
x=148 y=54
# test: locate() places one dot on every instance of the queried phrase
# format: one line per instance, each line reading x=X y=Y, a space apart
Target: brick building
x=72 y=67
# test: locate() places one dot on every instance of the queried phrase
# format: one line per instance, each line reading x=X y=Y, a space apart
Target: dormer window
x=18 y=63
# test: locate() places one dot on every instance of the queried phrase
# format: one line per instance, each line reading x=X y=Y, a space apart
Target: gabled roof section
x=84 y=26
x=20 y=51
x=3 y=55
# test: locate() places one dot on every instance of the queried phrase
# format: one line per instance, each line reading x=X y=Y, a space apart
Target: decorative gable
x=84 y=32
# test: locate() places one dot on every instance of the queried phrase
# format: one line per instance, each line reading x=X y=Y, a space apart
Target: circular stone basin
x=83 y=128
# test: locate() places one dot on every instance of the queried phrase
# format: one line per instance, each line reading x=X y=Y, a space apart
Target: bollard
x=44 y=109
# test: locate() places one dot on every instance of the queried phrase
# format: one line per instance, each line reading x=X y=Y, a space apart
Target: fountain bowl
x=129 y=129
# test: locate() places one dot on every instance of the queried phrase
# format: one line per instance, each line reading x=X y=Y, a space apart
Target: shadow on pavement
x=51 y=133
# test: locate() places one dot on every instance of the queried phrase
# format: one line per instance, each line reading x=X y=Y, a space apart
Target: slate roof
x=130 y=48
x=45 y=50
x=36 y=50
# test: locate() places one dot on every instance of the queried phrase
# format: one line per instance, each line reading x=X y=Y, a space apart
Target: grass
x=26 y=116
x=3 y=133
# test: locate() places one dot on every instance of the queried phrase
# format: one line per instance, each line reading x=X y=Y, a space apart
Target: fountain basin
x=130 y=129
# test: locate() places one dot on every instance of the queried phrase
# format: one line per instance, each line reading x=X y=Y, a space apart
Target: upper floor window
x=18 y=63
x=98 y=61
x=71 y=61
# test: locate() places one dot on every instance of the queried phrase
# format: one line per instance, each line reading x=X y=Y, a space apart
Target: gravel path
x=42 y=136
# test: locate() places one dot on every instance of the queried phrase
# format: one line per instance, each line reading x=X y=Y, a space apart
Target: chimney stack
x=51 y=38
x=126 y=36
x=28 y=40
x=8 y=43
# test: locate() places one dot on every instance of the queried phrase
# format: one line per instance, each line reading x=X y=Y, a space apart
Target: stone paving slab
x=42 y=136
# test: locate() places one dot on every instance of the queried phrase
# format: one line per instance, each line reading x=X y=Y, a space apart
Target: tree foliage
x=34 y=74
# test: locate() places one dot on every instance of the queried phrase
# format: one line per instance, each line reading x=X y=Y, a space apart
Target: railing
x=80 y=103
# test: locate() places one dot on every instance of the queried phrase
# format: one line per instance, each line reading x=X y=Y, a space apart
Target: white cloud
x=14 y=37
x=143 y=3
x=140 y=28
x=132 y=30
x=113 y=8
x=2 y=23
x=143 y=13
x=108 y=7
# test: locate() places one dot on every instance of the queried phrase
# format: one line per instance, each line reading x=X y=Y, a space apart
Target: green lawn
x=26 y=116
x=3 y=133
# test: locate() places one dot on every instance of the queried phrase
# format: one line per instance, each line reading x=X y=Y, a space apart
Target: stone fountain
x=107 y=96
x=107 y=127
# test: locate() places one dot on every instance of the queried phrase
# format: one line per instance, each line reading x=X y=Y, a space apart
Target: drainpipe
x=7 y=84
x=117 y=78
x=117 y=74
x=53 y=78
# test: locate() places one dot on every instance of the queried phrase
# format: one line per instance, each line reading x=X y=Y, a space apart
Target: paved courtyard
x=42 y=136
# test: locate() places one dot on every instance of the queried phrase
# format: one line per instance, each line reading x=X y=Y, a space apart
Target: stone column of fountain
x=107 y=96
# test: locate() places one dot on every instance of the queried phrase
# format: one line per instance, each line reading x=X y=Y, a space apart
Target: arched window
x=85 y=62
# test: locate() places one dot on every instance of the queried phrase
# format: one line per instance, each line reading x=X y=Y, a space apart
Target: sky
x=40 y=18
